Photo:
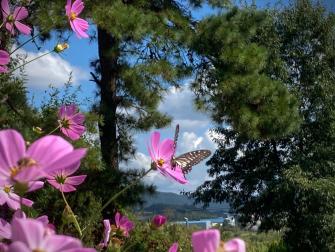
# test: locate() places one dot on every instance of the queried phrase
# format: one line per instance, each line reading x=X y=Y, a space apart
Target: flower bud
x=158 y=221
x=61 y=47
x=37 y=130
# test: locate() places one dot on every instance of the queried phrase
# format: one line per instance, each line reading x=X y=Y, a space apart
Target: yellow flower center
x=73 y=16
x=38 y=250
x=7 y=189
x=10 y=19
x=65 y=123
x=160 y=162
x=22 y=163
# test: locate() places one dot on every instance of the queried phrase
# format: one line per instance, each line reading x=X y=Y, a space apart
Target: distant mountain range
x=176 y=199
x=177 y=206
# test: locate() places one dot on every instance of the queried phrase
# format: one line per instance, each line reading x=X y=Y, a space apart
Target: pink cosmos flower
x=123 y=224
x=161 y=155
x=206 y=240
x=6 y=228
x=7 y=196
x=4 y=60
x=174 y=247
x=78 y=25
x=61 y=179
x=15 y=18
x=30 y=235
x=71 y=121
x=235 y=245
x=158 y=220
x=44 y=156
x=209 y=241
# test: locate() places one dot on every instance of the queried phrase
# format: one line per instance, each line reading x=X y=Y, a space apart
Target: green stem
x=54 y=130
x=26 y=42
x=76 y=224
x=115 y=196
x=31 y=61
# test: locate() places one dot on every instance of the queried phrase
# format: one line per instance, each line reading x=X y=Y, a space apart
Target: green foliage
x=232 y=84
x=146 y=239
x=287 y=182
x=256 y=241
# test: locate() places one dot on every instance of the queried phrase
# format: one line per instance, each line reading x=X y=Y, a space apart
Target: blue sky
x=194 y=126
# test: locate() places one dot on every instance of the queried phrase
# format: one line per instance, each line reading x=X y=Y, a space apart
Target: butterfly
x=188 y=159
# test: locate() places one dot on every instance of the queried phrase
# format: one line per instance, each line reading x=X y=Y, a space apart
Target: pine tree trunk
x=108 y=55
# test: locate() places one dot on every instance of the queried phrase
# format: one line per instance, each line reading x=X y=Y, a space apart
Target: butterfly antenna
x=176 y=137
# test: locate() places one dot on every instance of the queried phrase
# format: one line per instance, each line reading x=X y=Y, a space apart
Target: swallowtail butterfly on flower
x=188 y=159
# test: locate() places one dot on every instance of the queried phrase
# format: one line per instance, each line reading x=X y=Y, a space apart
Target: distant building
x=227 y=219
x=203 y=224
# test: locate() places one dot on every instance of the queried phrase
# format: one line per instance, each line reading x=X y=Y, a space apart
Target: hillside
x=177 y=206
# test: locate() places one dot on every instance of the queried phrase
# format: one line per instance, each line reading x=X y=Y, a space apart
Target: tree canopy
x=287 y=182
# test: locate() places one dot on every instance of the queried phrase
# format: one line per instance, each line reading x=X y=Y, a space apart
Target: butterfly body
x=187 y=160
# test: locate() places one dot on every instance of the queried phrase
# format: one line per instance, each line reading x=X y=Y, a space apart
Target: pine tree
x=287 y=182
x=143 y=50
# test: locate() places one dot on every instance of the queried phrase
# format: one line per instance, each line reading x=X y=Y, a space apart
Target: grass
x=256 y=241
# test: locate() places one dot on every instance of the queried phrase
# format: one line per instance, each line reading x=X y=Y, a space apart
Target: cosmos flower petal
x=67 y=160
x=235 y=245
x=54 y=183
x=20 y=13
x=25 y=29
x=5 y=229
x=27 y=231
x=44 y=219
x=10 y=28
x=155 y=137
x=175 y=173
x=166 y=149
x=107 y=231
x=75 y=180
x=29 y=174
x=68 y=7
x=117 y=219
x=48 y=149
x=67 y=188
x=174 y=247
x=18 y=246
x=206 y=240
x=70 y=110
x=77 y=7
x=5 y=8
x=15 y=199
x=80 y=27
x=35 y=185
x=62 y=243
x=12 y=148
x=78 y=118
x=3 y=69
x=4 y=57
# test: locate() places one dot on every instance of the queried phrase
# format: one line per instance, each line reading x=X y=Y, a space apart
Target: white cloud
x=50 y=69
x=189 y=141
x=179 y=104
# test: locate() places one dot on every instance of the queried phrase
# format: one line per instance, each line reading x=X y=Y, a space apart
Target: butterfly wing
x=189 y=159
